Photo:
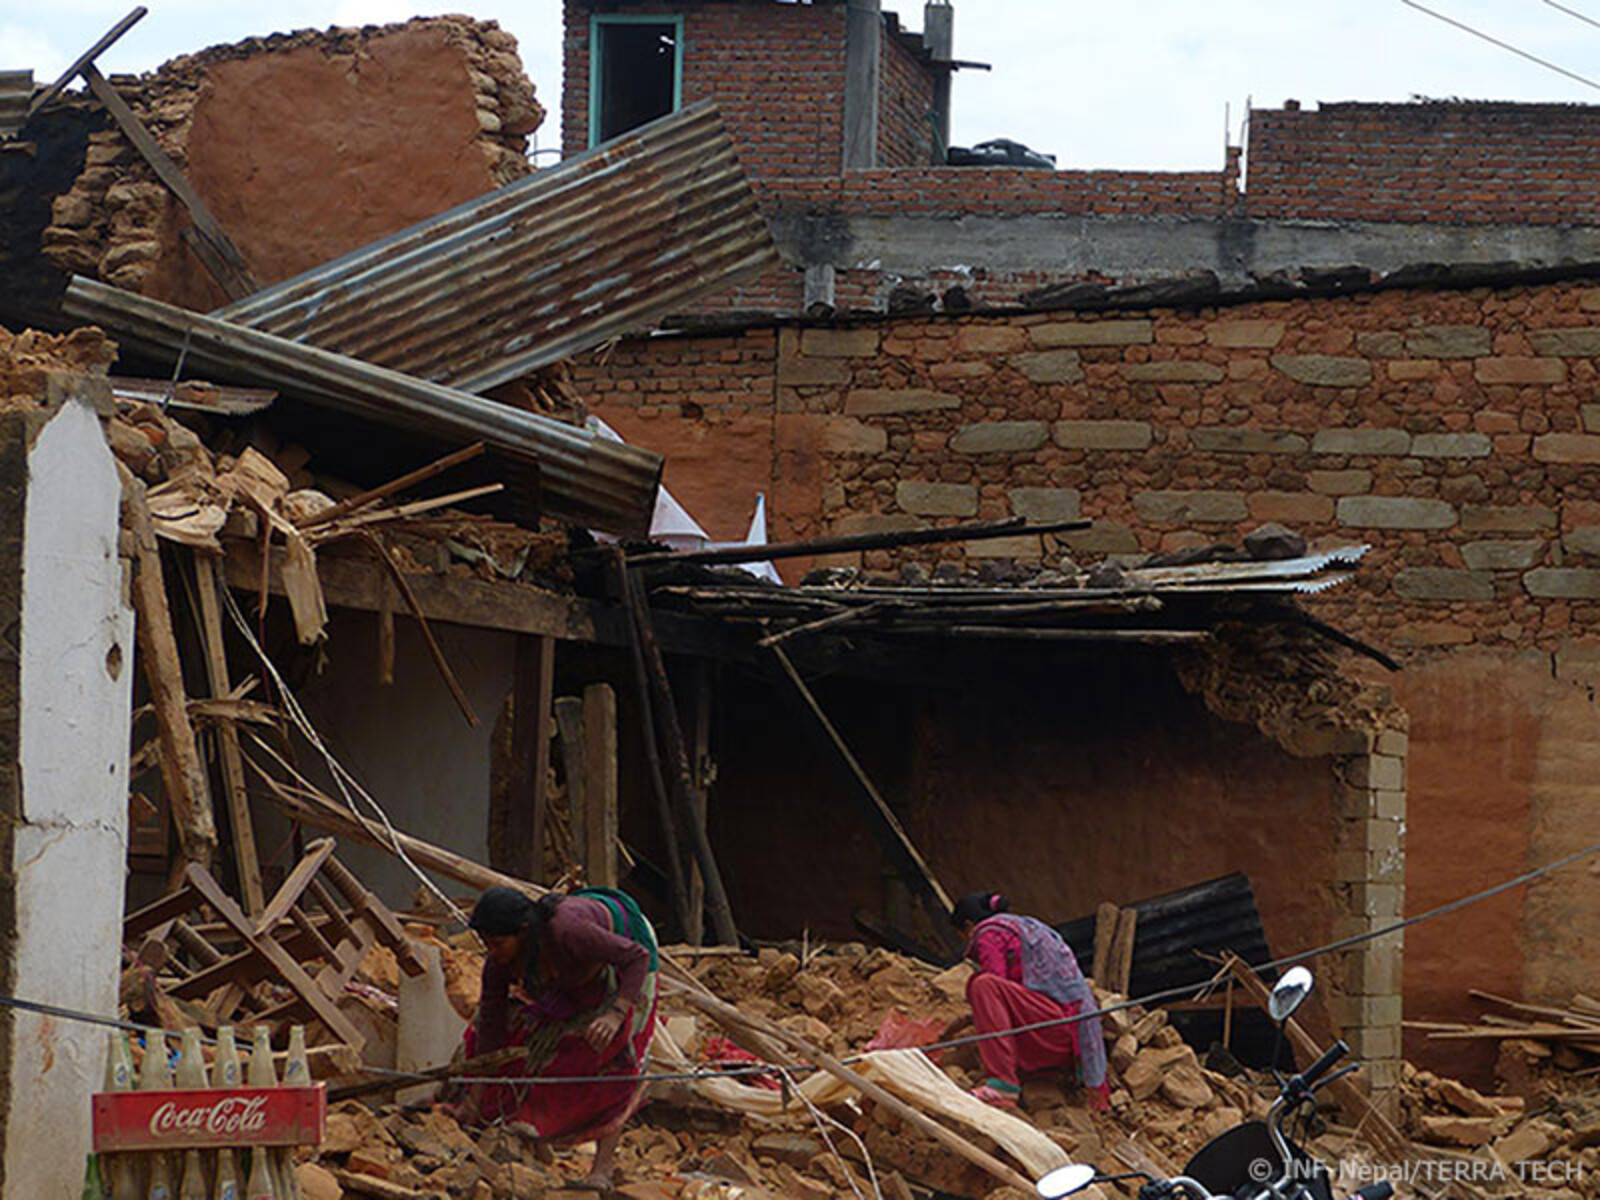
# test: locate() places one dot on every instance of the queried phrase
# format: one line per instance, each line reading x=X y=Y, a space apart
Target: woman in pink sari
x=1026 y=975
x=573 y=979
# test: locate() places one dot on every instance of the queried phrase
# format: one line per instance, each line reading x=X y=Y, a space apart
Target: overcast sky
x=1099 y=83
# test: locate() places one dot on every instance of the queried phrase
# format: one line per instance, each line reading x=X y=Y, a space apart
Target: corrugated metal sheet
x=603 y=244
x=16 y=91
x=583 y=477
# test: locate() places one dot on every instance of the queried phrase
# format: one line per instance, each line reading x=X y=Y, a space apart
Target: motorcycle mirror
x=1065 y=1181
x=1289 y=993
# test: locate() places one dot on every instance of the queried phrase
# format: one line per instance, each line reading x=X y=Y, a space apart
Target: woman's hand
x=603 y=1029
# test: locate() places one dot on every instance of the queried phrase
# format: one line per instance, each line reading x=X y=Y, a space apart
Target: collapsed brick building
x=1444 y=424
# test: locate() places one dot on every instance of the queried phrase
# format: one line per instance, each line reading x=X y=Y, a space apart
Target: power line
x=1572 y=12
x=1494 y=41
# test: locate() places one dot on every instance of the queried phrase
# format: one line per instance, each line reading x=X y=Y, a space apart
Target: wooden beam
x=219 y=255
x=676 y=760
x=598 y=822
x=532 y=695
x=435 y=651
x=1105 y=931
x=881 y=818
x=400 y=484
x=245 y=856
x=183 y=777
x=699 y=772
x=1122 y=950
x=87 y=57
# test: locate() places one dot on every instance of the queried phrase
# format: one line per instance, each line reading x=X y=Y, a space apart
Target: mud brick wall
x=776 y=72
x=303 y=145
x=1489 y=163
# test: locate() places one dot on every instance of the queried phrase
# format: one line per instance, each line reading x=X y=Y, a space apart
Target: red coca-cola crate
x=184 y=1120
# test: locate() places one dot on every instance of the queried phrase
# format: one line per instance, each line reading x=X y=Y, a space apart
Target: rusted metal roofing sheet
x=582 y=477
x=605 y=243
x=16 y=91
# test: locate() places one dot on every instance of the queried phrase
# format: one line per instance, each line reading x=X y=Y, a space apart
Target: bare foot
x=596 y=1181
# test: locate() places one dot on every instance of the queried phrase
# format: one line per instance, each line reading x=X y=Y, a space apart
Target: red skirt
x=570 y=1112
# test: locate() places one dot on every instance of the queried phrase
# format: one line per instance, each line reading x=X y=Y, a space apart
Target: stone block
x=1583 y=540
x=1502 y=556
x=1392 y=741
x=1186 y=507
x=1449 y=341
x=1505 y=518
x=1047 y=504
x=1567 y=448
x=1563 y=583
x=1382 y=344
x=870 y=402
x=937 y=499
x=875 y=523
x=1028 y=547
x=846 y=435
x=1101 y=435
x=1409 y=370
x=1291 y=508
x=1245 y=335
x=1176 y=371
x=1389 y=804
x=1567 y=343
x=1050 y=366
x=796 y=371
x=839 y=343
x=1223 y=440
x=1324 y=370
x=1519 y=370
x=991 y=339
x=1361 y=441
x=1103 y=537
x=1443 y=583
x=1591 y=417
x=1376 y=771
x=1395 y=512
x=1055 y=334
x=1354 y=482
x=1450 y=445
x=1368 y=1042
x=1000 y=437
x=1578 y=662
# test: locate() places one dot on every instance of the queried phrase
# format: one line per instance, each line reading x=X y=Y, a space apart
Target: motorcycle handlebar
x=1381 y=1190
x=1309 y=1077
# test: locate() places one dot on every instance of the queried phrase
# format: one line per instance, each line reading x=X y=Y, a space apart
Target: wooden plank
x=881 y=818
x=399 y=484
x=598 y=822
x=182 y=775
x=700 y=773
x=105 y=43
x=1105 y=931
x=386 y=638
x=225 y=263
x=246 y=858
x=1122 y=950
x=290 y=891
x=532 y=697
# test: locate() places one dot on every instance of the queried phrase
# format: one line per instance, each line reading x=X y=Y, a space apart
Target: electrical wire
x=1494 y=41
x=1572 y=12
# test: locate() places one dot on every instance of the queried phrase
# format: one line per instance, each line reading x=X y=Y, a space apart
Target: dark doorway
x=637 y=63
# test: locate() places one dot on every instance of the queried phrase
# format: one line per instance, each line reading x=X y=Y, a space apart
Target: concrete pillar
x=1369 y=877
x=939 y=36
x=66 y=666
x=863 y=66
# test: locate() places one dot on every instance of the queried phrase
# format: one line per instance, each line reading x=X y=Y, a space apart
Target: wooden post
x=182 y=775
x=699 y=770
x=245 y=856
x=1121 y=966
x=533 y=685
x=1105 y=931
x=597 y=829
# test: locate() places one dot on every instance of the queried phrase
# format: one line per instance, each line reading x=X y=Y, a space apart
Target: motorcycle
x=1255 y=1160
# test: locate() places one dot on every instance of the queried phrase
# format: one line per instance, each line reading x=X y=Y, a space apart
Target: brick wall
x=905 y=106
x=1452 y=430
x=775 y=70
x=1463 y=163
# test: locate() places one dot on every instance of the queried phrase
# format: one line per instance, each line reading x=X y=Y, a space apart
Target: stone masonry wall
x=1457 y=432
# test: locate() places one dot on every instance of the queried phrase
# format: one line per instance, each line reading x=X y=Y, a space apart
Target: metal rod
x=976 y=532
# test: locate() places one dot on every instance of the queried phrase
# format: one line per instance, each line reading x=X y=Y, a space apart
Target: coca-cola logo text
x=229 y=1116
